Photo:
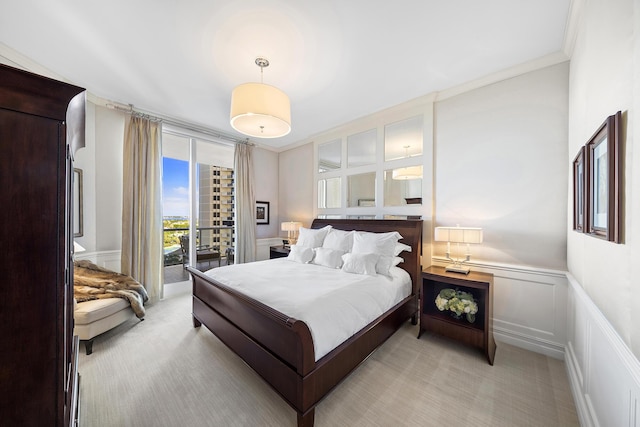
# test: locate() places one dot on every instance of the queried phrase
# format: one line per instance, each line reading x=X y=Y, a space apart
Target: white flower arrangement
x=458 y=302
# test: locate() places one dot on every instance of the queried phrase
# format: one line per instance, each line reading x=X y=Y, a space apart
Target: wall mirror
x=403 y=139
x=405 y=191
x=361 y=148
x=330 y=156
x=361 y=190
x=329 y=193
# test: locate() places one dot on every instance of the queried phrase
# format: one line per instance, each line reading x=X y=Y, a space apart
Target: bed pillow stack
x=308 y=239
x=372 y=253
x=358 y=252
x=336 y=243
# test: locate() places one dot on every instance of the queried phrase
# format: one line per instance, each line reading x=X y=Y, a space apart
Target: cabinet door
x=31 y=371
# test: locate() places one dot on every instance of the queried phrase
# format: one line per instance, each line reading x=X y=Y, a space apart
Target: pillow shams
x=401 y=247
x=312 y=238
x=360 y=263
x=377 y=243
x=384 y=264
x=328 y=257
x=339 y=240
x=301 y=254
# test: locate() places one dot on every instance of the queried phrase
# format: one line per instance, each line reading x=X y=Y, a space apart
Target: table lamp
x=458 y=235
x=291 y=227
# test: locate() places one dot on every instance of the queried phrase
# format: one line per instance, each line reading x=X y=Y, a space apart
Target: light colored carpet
x=164 y=372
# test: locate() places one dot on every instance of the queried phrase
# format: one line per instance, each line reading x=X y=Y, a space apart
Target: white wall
x=604 y=78
x=500 y=164
x=108 y=166
x=295 y=183
x=265 y=172
x=101 y=163
x=603 y=343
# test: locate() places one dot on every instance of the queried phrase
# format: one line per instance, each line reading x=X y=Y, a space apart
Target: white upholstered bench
x=95 y=317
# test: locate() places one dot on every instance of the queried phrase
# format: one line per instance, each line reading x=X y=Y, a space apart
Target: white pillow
x=385 y=263
x=360 y=263
x=312 y=238
x=301 y=254
x=401 y=247
x=377 y=243
x=339 y=239
x=328 y=257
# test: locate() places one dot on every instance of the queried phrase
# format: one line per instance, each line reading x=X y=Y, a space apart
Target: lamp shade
x=410 y=172
x=290 y=226
x=260 y=110
x=458 y=234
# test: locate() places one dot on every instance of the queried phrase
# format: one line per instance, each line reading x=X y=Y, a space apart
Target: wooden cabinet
x=279 y=251
x=479 y=333
x=41 y=124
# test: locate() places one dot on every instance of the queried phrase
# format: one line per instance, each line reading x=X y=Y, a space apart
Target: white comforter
x=334 y=305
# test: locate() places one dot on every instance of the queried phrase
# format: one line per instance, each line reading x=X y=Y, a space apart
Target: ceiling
x=337 y=60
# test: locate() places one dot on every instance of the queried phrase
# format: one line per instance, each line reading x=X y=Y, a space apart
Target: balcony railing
x=204 y=236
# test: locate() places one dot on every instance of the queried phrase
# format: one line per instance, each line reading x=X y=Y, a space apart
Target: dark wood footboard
x=280 y=348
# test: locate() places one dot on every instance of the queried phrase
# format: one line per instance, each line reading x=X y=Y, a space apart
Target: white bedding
x=334 y=304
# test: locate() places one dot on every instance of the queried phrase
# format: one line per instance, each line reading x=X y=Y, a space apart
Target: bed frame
x=280 y=348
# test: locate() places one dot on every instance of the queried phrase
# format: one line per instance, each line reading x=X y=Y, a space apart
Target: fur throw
x=92 y=282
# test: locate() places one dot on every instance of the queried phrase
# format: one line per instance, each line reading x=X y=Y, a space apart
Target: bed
x=281 y=348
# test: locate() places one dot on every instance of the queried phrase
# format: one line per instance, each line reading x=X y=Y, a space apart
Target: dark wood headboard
x=410 y=229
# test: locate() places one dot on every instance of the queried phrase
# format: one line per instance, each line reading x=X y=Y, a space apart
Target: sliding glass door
x=198 y=200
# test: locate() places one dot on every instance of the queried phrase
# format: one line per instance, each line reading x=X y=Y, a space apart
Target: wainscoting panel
x=262 y=247
x=604 y=374
x=106 y=259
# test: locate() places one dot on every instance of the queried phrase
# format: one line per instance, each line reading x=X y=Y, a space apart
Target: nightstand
x=479 y=333
x=279 y=251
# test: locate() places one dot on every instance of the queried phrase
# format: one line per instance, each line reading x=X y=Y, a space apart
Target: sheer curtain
x=142 y=205
x=245 y=204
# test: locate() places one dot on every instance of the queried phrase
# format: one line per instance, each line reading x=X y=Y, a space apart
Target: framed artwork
x=579 y=190
x=262 y=212
x=77 y=203
x=603 y=181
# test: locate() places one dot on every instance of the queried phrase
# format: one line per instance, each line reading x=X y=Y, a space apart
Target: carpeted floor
x=163 y=372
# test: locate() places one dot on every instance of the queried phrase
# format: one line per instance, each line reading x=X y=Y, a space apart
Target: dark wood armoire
x=41 y=126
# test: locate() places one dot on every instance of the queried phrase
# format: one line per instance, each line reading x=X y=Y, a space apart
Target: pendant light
x=260 y=110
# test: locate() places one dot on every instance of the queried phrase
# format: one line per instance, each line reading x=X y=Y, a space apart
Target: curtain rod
x=130 y=109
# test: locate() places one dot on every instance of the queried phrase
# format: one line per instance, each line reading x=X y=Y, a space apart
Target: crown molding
x=574 y=17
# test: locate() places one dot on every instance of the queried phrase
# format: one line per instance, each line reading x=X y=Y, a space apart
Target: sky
x=175 y=187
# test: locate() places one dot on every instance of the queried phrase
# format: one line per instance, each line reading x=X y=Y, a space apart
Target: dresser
x=41 y=127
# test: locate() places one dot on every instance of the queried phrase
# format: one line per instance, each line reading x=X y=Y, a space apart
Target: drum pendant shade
x=260 y=110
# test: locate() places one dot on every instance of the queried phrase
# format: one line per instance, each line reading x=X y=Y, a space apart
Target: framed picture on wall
x=603 y=181
x=262 y=212
x=579 y=191
x=78 y=226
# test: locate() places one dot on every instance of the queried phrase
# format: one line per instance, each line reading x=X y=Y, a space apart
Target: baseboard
x=528 y=342
x=262 y=247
